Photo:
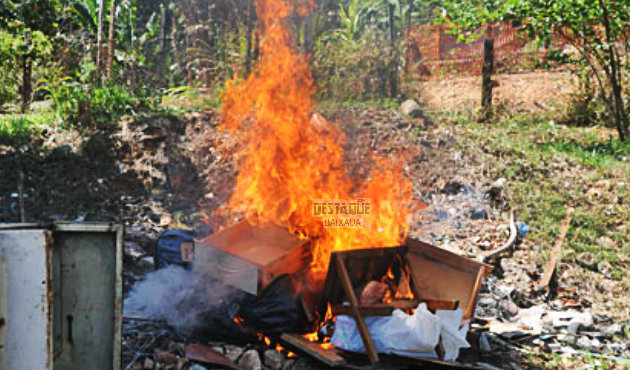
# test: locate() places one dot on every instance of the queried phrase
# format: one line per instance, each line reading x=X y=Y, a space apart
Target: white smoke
x=178 y=296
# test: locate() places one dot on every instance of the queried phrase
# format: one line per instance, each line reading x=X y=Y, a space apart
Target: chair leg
x=354 y=307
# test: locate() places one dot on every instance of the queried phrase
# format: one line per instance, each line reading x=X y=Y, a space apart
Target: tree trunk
x=110 y=38
x=99 y=36
x=162 y=45
x=621 y=119
x=26 y=74
x=486 y=77
x=250 y=29
x=393 y=78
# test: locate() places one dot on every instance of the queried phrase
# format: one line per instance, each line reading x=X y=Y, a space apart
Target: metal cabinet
x=63 y=296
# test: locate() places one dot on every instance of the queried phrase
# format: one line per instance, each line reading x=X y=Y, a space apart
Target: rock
x=166 y=357
x=288 y=364
x=611 y=330
x=133 y=249
x=583 y=343
x=500 y=182
x=581 y=320
x=148 y=364
x=233 y=352
x=274 y=359
x=411 y=108
x=587 y=260
x=478 y=214
x=508 y=308
x=60 y=152
x=615 y=347
x=250 y=360
x=146 y=263
x=606 y=242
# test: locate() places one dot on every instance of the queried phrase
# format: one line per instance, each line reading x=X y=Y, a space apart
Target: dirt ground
x=519 y=93
x=157 y=171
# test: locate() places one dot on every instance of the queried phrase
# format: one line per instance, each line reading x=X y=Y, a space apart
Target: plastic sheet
x=414 y=335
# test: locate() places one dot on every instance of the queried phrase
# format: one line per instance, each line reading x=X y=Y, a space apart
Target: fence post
x=486 y=79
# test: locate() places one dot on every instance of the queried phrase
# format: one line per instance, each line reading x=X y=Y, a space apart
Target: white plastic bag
x=410 y=335
x=453 y=337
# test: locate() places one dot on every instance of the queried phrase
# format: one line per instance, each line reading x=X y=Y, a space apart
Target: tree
x=99 y=36
x=598 y=29
x=111 y=42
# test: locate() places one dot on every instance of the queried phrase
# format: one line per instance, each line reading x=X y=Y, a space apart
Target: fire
x=289 y=156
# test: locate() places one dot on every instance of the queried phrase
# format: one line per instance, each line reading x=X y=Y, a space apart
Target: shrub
x=78 y=102
x=353 y=68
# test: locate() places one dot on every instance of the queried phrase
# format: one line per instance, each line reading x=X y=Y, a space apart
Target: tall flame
x=289 y=157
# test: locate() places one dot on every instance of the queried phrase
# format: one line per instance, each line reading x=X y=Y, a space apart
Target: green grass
x=552 y=167
x=16 y=125
x=325 y=106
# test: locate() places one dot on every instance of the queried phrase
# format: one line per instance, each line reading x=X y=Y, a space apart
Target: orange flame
x=289 y=157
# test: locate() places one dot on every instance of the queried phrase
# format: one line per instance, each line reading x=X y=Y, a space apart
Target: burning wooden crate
x=250 y=257
x=414 y=273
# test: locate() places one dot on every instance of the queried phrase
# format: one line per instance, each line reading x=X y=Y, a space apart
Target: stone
x=583 y=342
x=60 y=152
x=478 y=214
x=148 y=364
x=587 y=260
x=411 y=108
x=166 y=357
x=581 y=320
x=233 y=352
x=250 y=360
x=288 y=364
x=606 y=242
x=500 y=182
x=274 y=359
x=508 y=308
x=611 y=330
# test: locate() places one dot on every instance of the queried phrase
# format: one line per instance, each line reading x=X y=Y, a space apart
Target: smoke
x=182 y=298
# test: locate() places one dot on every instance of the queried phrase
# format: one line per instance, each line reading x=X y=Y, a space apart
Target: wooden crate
x=250 y=257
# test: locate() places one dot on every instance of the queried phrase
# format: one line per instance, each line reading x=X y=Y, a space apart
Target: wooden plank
x=557 y=251
x=296 y=343
x=439 y=274
x=386 y=309
x=354 y=307
x=372 y=310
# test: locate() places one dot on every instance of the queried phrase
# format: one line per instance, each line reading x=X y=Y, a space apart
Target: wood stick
x=313 y=349
x=346 y=283
x=557 y=250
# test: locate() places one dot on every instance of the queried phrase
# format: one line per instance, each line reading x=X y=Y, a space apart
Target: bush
x=352 y=69
x=78 y=102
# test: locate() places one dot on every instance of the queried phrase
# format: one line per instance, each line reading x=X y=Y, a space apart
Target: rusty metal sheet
x=28 y=325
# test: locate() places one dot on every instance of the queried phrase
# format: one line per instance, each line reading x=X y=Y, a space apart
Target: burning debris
x=360 y=288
